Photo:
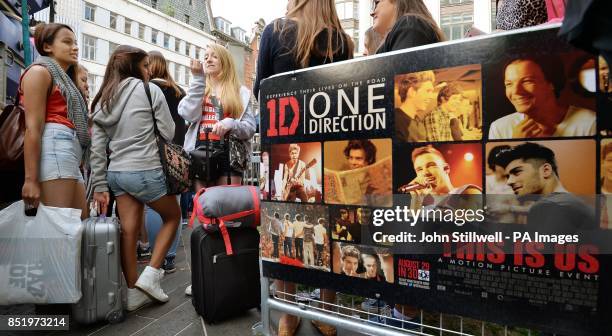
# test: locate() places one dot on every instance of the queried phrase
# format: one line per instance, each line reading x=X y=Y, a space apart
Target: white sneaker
x=136 y=299
x=150 y=282
x=188 y=290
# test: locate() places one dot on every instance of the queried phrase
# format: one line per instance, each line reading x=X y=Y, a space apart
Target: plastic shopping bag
x=40 y=257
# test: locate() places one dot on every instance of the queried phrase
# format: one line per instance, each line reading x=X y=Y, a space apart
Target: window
x=197 y=53
x=154 y=4
x=187 y=49
x=456 y=25
x=201 y=25
x=347 y=10
x=166 y=41
x=128 y=26
x=90 y=12
x=141 y=31
x=111 y=48
x=113 y=21
x=186 y=69
x=186 y=19
x=177 y=44
x=89 y=47
x=190 y=2
x=91 y=82
x=154 y=33
x=177 y=72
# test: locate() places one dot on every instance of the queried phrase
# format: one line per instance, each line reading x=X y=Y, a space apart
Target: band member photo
x=532 y=169
x=349 y=222
x=363 y=262
x=606 y=183
x=436 y=171
x=295 y=235
x=296 y=175
x=358 y=172
x=543 y=105
x=371 y=265
x=502 y=205
x=605 y=87
x=439 y=105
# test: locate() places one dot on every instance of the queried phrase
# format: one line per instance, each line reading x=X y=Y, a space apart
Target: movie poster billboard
x=465 y=177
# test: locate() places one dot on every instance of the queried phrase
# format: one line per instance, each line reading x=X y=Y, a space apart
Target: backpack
x=226 y=206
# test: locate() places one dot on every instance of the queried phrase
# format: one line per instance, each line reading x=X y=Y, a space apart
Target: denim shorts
x=60 y=155
x=146 y=186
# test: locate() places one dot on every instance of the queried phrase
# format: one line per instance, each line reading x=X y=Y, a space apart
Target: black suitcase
x=224 y=285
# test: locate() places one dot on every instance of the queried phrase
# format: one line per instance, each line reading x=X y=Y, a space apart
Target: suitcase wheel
x=115 y=316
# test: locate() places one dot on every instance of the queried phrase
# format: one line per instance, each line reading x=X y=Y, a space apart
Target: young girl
x=310 y=34
x=56 y=122
x=173 y=95
x=406 y=24
x=216 y=104
x=123 y=120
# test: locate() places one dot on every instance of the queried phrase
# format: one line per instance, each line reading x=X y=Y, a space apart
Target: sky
x=244 y=13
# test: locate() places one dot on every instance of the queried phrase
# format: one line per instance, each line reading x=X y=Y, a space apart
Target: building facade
x=348 y=12
x=458 y=16
x=236 y=41
x=102 y=25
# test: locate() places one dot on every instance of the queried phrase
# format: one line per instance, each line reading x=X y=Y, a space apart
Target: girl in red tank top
x=53 y=149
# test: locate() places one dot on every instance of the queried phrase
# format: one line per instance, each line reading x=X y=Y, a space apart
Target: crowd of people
x=112 y=140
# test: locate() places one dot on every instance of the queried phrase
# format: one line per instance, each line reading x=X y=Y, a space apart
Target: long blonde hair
x=229 y=83
x=313 y=17
x=418 y=9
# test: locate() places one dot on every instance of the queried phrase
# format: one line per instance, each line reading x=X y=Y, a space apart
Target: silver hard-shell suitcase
x=101 y=284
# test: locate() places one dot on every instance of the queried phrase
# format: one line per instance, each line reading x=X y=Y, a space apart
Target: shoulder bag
x=174 y=160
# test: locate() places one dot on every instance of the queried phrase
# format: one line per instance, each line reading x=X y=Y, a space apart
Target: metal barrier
x=350 y=318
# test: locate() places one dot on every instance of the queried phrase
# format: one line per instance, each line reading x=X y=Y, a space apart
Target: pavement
x=174 y=318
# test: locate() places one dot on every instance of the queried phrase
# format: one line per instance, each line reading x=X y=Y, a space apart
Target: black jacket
x=180 y=128
x=409 y=31
x=275 y=53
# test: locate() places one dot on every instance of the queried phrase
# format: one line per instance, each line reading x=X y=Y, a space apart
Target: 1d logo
x=283 y=114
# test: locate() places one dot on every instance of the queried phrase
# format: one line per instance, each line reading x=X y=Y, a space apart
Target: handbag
x=174 y=160
x=239 y=153
x=12 y=134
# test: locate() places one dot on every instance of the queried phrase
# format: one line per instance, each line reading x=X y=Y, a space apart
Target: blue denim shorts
x=146 y=186
x=60 y=154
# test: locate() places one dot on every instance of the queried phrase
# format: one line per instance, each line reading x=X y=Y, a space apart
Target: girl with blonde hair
x=216 y=104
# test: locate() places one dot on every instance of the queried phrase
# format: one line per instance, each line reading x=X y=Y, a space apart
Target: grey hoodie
x=128 y=131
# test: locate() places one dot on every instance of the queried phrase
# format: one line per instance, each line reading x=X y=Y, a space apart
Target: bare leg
x=131 y=211
x=143 y=233
x=287 y=323
x=64 y=193
x=169 y=210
